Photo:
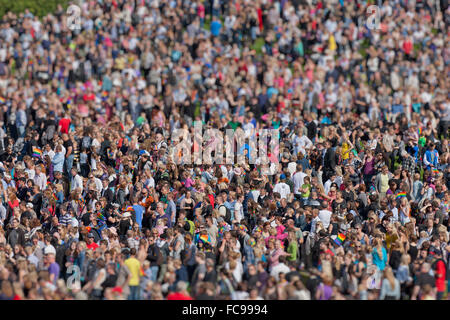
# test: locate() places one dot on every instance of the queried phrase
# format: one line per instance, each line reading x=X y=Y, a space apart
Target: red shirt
x=201 y=11
x=178 y=296
x=13 y=204
x=92 y=246
x=407 y=46
x=89 y=97
x=64 y=123
x=440 y=270
x=211 y=199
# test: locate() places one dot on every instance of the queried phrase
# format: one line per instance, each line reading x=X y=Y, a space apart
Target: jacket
x=378 y=180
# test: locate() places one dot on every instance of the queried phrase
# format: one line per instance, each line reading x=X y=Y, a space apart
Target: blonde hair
x=389 y=275
x=405 y=260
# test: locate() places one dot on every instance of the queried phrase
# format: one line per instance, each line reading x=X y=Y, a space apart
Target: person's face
x=423 y=254
x=278 y=245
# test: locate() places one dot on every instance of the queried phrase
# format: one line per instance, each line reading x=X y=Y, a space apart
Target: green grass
x=36 y=7
x=365 y=44
x=207 y=24
x=257 y=45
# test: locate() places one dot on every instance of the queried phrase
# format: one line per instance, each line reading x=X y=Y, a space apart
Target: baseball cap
x=91 y=235
x=49 y=250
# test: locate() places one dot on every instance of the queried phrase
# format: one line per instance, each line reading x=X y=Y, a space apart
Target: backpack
x=227 y=214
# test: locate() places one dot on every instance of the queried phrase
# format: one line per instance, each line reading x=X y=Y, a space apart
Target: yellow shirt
x=390 y=239
x=384 y=183
x=135 y=268
x=345 y=151
x=332 y=46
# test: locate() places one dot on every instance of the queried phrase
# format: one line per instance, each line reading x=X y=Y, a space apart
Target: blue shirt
x=397 y=108
x=139 y=212
x=380 y=262
x=215 y=28
x=54 y=269
x=271 y=91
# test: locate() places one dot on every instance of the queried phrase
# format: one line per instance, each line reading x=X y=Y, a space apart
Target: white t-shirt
x=292 y=167
x=298 y=181
x=238 y=211
x=283 y=189
x=325 y=217
x=255 y=194
x=279 y=268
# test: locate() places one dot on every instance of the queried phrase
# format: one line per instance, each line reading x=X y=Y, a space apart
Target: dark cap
x=91 y=235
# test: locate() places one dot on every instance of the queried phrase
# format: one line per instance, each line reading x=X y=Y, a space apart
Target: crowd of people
x=92 y=205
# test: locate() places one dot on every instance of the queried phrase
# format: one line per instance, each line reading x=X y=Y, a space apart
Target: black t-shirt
x=312 y=130
x=211 y=276
x=425 y=278
x=110 y=281
x=413 y=252
x=68 y=144
x=252 y=280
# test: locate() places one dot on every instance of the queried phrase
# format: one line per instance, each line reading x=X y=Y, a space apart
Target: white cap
x=49 y=250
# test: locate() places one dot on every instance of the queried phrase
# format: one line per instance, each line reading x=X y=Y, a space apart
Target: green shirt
x=234 y=125
x=292 y=249
x=305 y=195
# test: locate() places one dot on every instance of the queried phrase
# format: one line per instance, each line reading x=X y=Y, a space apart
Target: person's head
x=425 y=268
x=182 y=286
x=90 y=238
x=160 y=208
x=15 y=223
x=200 y=257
